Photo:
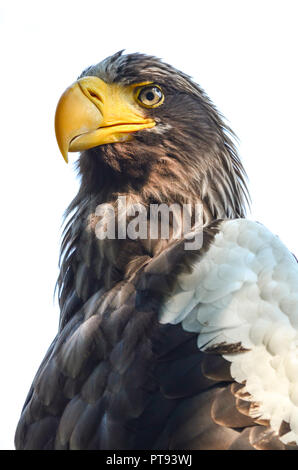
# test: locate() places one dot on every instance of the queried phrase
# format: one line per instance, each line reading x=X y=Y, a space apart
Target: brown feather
x=114 y=378
x=225 y=412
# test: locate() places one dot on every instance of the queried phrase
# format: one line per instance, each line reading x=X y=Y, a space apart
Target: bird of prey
x=163 y=344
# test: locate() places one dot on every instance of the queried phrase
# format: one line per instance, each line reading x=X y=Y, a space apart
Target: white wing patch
x=245 y=289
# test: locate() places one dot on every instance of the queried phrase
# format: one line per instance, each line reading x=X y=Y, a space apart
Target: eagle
x=183 y=340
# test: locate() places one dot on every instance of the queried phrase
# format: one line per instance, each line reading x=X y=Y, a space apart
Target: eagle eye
x=150 y=96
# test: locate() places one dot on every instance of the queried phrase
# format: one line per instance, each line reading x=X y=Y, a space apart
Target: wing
x=241 y=298
x=195 y=350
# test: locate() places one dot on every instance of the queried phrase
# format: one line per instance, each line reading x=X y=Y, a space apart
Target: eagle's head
x=145 y=127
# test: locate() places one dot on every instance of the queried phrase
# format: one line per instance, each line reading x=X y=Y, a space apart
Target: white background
x=243 y=53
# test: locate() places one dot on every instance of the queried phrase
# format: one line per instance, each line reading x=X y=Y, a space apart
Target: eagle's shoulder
x=241 y=297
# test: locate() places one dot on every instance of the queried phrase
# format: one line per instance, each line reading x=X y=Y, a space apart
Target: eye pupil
x=150 y=96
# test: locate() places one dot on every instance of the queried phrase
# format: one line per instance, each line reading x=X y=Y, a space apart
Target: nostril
x=93 y=94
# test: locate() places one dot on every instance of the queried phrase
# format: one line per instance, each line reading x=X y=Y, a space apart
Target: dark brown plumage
x=114 y=377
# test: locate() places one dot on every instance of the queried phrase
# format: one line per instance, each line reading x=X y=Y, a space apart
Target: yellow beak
x=91 y=112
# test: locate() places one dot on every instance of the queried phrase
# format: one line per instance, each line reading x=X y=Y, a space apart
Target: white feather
x=245 y=289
